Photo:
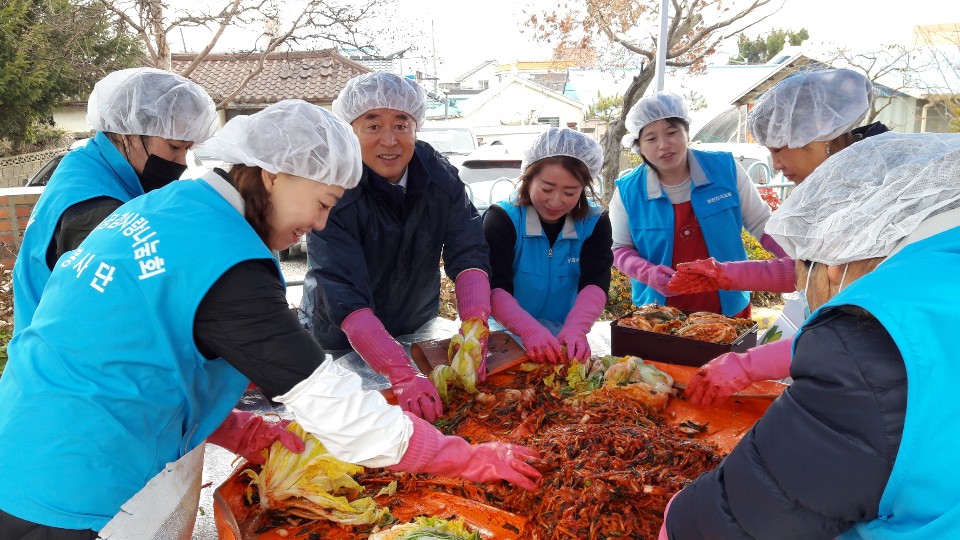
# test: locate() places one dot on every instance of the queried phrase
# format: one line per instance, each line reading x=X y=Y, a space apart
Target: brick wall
x=15 y=169
x=15 y=207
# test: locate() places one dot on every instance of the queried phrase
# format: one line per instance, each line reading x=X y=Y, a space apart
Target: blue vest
x=545 y=279
x=96 y=169
x=916 y=305
x=716 y=204
x=107 y=385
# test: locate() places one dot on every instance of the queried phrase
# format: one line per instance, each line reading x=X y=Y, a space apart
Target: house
x=910 y=100
x=313 y=76
x=477 y=78
x=519 y=102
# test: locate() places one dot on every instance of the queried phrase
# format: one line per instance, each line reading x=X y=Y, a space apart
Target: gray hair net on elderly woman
x=381 y=90
x=292 y=137
x=812 y=106
x=153 y=103
x=872 y=199
x=565 y=142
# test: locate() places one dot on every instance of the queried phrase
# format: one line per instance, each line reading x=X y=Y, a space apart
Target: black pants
x=14 y=528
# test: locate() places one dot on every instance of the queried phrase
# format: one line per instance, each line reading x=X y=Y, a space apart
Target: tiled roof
x=314 y=76
x=533 y=66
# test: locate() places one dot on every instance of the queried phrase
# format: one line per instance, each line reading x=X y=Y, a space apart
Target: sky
x=491 y=29
x=461 y=35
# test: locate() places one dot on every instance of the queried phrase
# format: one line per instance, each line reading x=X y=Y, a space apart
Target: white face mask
x=843 y=277
x=803 y=292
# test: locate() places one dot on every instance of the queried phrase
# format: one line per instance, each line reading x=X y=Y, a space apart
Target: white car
x=490 y=174
x=753 y=157
x=455 y=143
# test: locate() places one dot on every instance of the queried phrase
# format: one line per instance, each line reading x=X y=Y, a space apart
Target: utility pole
x=433 y=45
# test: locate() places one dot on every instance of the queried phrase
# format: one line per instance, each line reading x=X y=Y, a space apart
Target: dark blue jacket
x=820 y=458
x=372 y=255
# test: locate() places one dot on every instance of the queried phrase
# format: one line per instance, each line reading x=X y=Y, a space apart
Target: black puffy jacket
x=819 y=460
x=371 y=255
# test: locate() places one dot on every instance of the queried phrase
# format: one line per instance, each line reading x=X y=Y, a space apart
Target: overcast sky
x=467 y=33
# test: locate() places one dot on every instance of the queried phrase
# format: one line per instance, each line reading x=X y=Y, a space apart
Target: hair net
x=807 y=107
x=663 y=104
x=863 y=200
x=565 y=142
x=292 y=137
x=381 y=90
x=153 y=103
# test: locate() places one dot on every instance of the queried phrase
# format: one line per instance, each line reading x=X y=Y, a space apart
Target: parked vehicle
x=490 y=173
x=455 y=143
x=753 y=157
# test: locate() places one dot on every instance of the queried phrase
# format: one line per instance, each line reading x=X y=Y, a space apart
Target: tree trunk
x=611 y=140
x=164 y=59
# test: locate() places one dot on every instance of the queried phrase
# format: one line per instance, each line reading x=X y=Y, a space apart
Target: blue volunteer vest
x=545 y=279
x=921 y=499
x=716 y=204
x=96 y=169
x=107 y=385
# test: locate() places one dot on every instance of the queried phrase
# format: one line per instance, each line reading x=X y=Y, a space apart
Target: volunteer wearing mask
x=861 y=444
x=373 y=272
x=803 y=120
x=680 y=205
x=550 y=248
x=145 y=121
x=94 y=406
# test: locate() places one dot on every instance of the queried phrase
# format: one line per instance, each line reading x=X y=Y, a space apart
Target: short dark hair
x=575 y=167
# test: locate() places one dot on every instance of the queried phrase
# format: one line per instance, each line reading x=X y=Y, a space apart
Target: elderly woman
x=681 y=205
x=860 y=445
x=802 y=121
x=550 y=248
x=97 y=406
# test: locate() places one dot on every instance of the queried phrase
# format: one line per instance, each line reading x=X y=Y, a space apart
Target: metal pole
x=662 y=45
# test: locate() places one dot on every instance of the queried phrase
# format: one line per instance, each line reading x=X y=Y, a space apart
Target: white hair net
x=565 y=142
x=292 y=137
x=381 y=90
x=154 y=103
x=663 y=104
x=807 y=107
x=863 y=200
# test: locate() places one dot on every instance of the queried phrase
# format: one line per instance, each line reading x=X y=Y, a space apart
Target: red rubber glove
x=414 y=392
x=656 y=276
x=249 y=434
x=430 y=451
x=707 y=275
x=540 y=344
x=473 y=302
x=586 y=310
x=729 y=373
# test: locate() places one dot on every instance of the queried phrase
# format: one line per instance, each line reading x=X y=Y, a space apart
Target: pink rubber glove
x=473 y=302
x=414 y=392
x=774 y=275
x=249 y=434
x=772 y=246
x=729 y=373
x=540 y=344
x=663 y=528
x=629 y=261
x=430 y=451
x=586 y=310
